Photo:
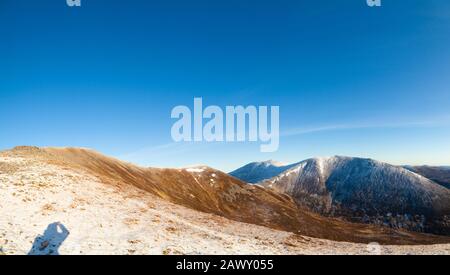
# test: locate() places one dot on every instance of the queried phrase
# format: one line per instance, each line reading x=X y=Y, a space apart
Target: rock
x=44 y=245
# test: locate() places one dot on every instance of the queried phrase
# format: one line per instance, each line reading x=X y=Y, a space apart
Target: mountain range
x=360 y=190
x=111 y=206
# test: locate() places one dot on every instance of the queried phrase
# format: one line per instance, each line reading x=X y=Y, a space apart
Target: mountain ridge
x=214 y=192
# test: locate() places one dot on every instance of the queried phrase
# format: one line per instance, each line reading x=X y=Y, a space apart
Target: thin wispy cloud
x=163 y=153
x=356 y=126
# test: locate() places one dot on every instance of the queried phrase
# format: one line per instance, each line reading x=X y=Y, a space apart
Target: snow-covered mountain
x=438 y=174
x=258 y=171
x=367 y=190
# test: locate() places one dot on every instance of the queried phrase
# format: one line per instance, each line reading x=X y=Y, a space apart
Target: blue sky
x=349 y=79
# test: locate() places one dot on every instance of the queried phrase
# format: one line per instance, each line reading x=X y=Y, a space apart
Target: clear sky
x=349 y=79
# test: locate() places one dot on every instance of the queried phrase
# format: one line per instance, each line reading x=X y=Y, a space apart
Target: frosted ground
x=105 y=219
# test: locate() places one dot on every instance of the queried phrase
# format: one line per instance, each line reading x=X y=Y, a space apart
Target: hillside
x=109 y=206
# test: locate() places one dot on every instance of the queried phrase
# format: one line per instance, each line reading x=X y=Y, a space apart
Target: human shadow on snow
x=50 y=242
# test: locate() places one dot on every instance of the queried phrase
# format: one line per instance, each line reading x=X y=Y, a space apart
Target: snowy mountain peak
x=269 y=163
x=258 y=171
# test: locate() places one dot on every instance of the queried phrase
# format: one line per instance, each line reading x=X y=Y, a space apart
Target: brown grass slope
x=215 y=192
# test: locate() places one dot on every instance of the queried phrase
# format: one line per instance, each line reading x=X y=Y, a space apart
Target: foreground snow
x=39 y=201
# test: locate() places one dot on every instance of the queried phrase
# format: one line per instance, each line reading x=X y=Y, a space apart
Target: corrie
x=235 y=124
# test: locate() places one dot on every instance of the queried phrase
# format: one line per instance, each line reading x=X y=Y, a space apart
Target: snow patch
x=196 y=170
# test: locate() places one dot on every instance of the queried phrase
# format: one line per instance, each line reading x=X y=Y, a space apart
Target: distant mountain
x=367 y=190
x=258 y=171
x=438 y=174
